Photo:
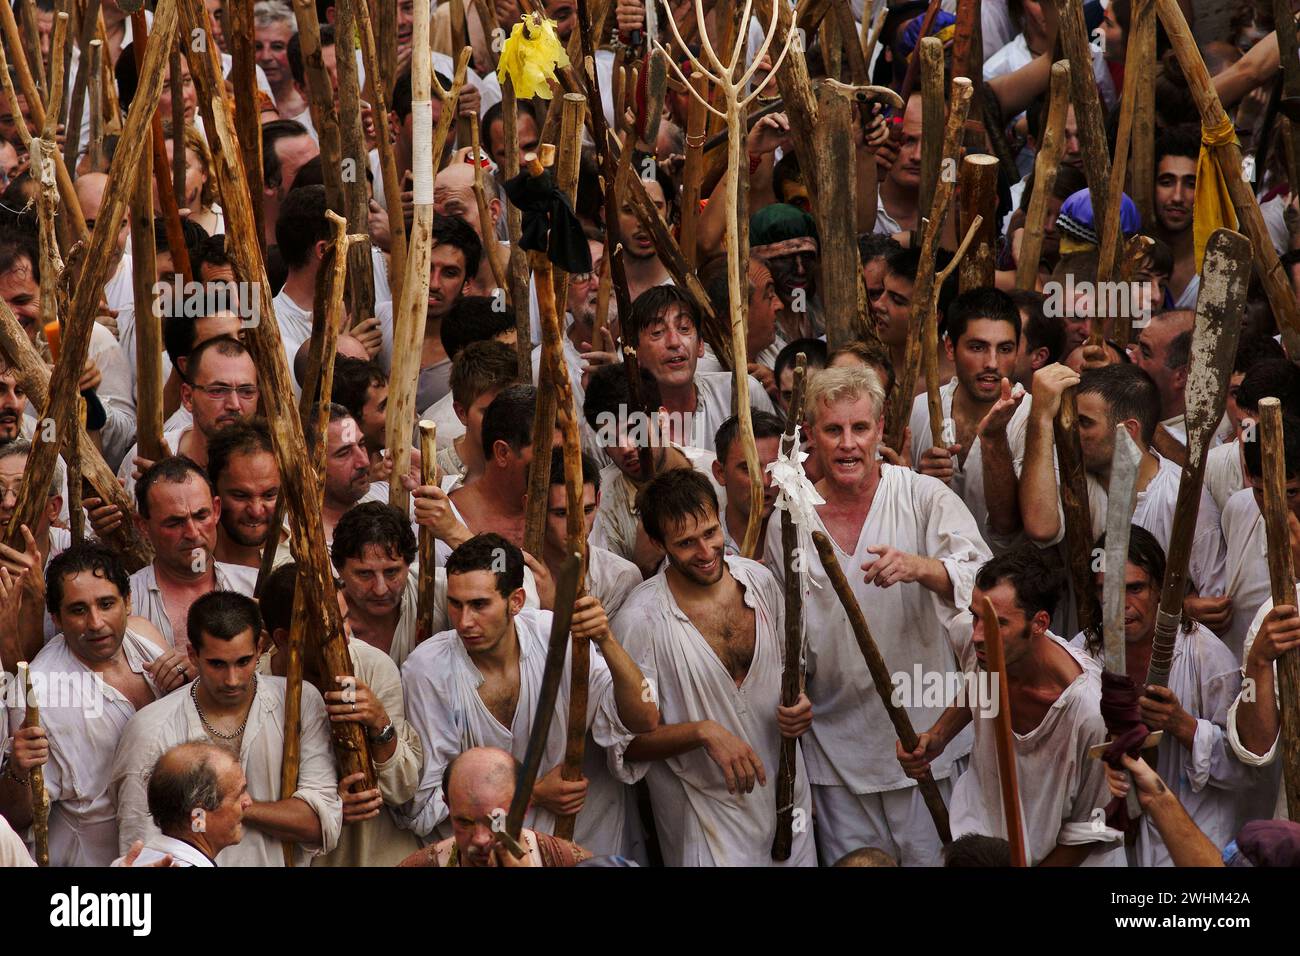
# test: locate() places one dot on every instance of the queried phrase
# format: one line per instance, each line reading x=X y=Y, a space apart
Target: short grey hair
x=270 y=12
x=830 y=385
x=178 y=787
x=21 y=446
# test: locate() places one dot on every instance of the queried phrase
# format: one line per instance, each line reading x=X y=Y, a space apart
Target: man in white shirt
x=1164 y=350
x=731 y=471
x=909 y=549
x=1176 y=152
x=197 y=795
x=233 y=707
x=89 y=682
x=303 y=235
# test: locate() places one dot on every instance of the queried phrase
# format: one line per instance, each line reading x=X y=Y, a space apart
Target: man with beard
x=192 y=783
x=347 y=463
x=897 y=209
x=233 y=707
x=1054 y=692
x=1107 y=397
x=666 y=329
x=220 y=390
x=785 y=238
x=104 y=673
x=1176 y=155
x=621 y=431
x=454 y=262
x=478 y=795
x=1191 y=709
x=987 y=418
x=479 y=685
x=910 y=549
x=13 y=403
x=731 y=471
x=246 y=478
x=707 y=632
x=178 y=513
x=372 y=551
x=43 y=541
x=1164 y=351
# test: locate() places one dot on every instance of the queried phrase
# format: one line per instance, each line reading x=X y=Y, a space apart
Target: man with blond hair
x=910 y=550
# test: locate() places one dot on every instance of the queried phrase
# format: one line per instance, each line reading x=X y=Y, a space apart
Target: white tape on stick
x=422 y=152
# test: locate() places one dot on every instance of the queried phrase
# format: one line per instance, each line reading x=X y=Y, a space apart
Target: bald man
x=480 y=785
x=197 y=797
x=453 y=195
x=89 y=188
x=1164 y=351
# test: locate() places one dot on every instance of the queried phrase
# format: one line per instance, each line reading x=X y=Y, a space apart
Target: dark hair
x=977 y=850
x=293 y=51
x=1039 y=329
x=18 y=244
x=1253 y=349
x=210 y=251
x=192 y=234
x=1277 y=377
x=590 y=470
x=223 y=615
x=173 y=470
x=275 y=597
x=474 y=318
x=353 y=380
x=766 y=425
x=1253 y=451
x=301 y=224
x=493 y=115
x=607 y=393
x=480 y=367
x=1128 y=393
x=509 y=418
x=277 y=130
x=242 y=438
x=873 y=354
x=672 y=496
x=400 y=101
x=875 y=245
x=173 y=796
x=456 y=232
x=1184 y=141
x=650 y=306
x=985 y=302
x=1144 y=551
x=309 y=428
x=814 y=351
x=372 y=523
x=1037 y=585
x=226 y=345
x=903 y=262
x=490 y=552
x=90 y=556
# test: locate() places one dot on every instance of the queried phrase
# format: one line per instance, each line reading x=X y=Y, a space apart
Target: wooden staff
x=36 y=777
x=1074 y=508
x=1225 y=274
x=352 y=751
x=1277 y=286
x=922 y=338
x=690 y=204
x=458 y=41
x=54 y=106
x=291 y=752
x=80 y=322
x=412 y=312
x=34 y=378
x=168 y=210
x=792 y=672
x=72 y=457
x=248 y=121
x=978 y=185
x=569 y=154
x=1281 y=575
x=795 y=86
x=32 y=35
x=566 y=591
x=352 y=148
x=428 y=476
x=386 y=58
x=96 y=149
x=518 y=261
x=178 y=126
x=932 y=118
x=1289 y=59
x=86 y=80
x=841 y=269
x=112 y=109
x=1141 y=162
x=1136 y=252
x=869 y=41
x=12 y=36
x=1087 y=111
x=1046 y=164
x=1107 y=262
x=1004 y=735
x=379 y=78
x=737 y=227
x=148 y=322
x=880 y=677
x=321 y=100
x=959 y=256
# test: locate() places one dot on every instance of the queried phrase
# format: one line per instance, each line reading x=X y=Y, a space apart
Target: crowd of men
x=164 y=704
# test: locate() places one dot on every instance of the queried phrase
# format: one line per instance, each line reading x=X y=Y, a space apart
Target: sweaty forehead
x=169 y=499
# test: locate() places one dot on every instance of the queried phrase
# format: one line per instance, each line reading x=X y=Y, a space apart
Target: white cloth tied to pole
x=795 y=493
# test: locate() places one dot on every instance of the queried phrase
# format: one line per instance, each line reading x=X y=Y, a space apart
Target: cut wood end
x=980 y=159
x=1061 y=68
x=427 y=426
x=548 y=154
x=961 y=83
x=1096 y=750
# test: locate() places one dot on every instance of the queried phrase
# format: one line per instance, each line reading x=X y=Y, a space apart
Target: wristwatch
x=385 y=735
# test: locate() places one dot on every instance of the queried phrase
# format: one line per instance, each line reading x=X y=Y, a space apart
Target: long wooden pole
x=978 y=185
x=248 y=121
x=690 y=204
x=932 y=119
x=841 y=269
x=85 y=77
x=148 y=323
x=1004 y=735
x=36 y=778
x=881 y=678
x=1281 y=575
x=356 y=161
x=1045 y=166
x=321 y=101
x=427 y=544
x=517 y=264
x=792 y=670
x=380 y=82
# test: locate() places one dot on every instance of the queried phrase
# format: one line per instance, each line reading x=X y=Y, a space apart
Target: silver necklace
x=194 y=696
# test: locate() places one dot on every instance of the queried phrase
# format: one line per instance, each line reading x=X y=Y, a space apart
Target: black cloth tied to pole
x=548 y=223
x=1123 y=718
